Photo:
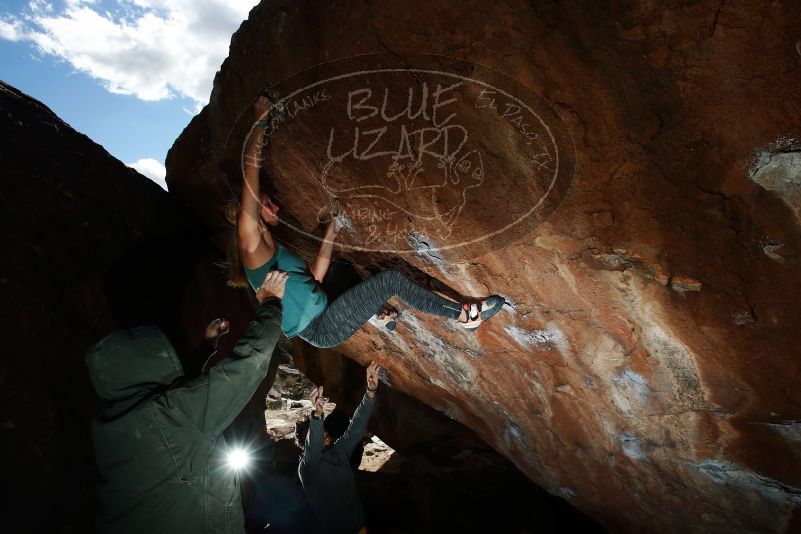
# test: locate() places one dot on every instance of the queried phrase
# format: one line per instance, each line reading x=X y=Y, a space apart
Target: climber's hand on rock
x=332 y=229
x=260 y=107
x=317 y=401
x=372 y=378
x=217 y=328
x=273 y=286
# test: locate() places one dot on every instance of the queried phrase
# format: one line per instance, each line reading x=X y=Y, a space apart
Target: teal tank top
x=303 y=300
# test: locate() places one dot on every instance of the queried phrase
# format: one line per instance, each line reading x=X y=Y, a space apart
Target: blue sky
x=130 y=74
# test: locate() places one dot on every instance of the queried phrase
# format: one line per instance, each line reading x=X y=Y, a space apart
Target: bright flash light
x=238 y=459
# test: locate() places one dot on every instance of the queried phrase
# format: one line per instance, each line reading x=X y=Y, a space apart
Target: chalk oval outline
x=558 y=155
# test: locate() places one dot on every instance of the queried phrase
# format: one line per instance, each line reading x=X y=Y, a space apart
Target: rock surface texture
x=647 y=367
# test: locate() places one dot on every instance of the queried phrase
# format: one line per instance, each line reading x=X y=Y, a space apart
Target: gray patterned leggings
x=348 y=312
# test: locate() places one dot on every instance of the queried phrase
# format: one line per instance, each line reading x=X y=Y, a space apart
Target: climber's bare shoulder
x=255 y=252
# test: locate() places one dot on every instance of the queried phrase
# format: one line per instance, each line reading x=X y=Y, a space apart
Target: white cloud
x=152 y=169
x=10 y=30
x=152 y=49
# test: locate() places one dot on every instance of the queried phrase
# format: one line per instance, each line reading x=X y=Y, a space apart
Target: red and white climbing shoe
x=478 y=312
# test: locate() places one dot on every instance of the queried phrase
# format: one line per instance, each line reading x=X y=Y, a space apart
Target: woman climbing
x=307 y=310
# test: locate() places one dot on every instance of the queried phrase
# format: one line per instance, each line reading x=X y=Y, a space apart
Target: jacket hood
x=129 y=363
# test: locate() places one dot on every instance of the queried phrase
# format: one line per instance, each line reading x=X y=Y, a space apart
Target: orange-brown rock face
x=627 y=176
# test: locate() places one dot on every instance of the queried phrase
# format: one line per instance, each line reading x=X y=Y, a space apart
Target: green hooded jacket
x=158 y=438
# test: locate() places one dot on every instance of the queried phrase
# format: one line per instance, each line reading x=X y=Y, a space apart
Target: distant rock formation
x=89 y=246
x=648 y=365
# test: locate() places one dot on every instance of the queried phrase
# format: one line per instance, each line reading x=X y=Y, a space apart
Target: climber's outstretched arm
x=319 y=266
x=313 y=448
x=256 y=244
x=358 y=425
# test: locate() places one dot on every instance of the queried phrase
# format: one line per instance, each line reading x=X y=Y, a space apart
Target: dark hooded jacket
x=327 y=476
x=158 y=438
